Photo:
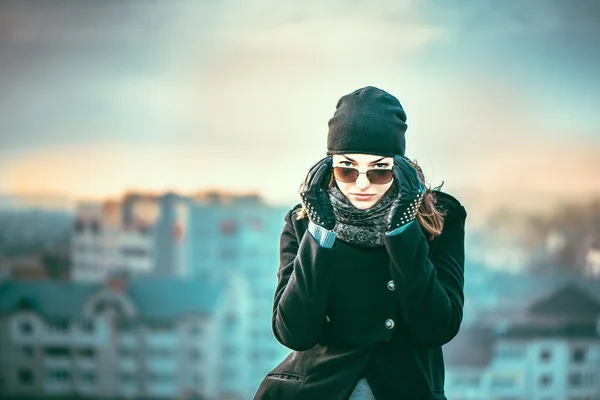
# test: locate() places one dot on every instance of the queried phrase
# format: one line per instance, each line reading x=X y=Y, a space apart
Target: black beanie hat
x=369 y=121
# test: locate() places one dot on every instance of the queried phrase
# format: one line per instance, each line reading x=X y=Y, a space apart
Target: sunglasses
x=375 y=176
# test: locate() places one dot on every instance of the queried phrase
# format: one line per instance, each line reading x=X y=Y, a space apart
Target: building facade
x=126 y=338
x=552 y=352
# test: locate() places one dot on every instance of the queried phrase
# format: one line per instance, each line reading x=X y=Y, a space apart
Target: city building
x=241 y=234
x=142 y=234
x=551 y=352
x=214 y=237
x=127 y=337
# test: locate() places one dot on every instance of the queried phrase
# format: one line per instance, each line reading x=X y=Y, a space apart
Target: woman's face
x=362 y=185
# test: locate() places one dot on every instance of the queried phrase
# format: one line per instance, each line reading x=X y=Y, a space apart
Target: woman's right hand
x=315 y=196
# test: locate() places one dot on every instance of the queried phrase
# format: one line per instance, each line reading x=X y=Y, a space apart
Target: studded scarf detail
x=362 y=227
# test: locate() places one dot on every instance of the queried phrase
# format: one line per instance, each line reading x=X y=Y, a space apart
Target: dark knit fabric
x=361 y=227
x=367 y=121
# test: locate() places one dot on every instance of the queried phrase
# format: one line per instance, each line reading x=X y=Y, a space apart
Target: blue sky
x=102 y=97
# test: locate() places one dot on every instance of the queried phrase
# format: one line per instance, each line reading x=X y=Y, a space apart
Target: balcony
x=52 y=386
x=127 y=340
x=168 y=339
x=55 y=362
x=86 y=389
x=128 y=390
x=162 y=389
x=162 y=366
x=128 y=365
x=85 y=363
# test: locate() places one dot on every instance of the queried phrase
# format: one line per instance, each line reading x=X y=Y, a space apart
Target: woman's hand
x=315 y=196
x=404 y=208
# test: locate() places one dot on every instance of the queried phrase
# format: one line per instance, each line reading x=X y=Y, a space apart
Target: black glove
x=315 y=196
x=410 y=193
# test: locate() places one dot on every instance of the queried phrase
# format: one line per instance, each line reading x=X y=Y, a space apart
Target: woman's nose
x=362 y=182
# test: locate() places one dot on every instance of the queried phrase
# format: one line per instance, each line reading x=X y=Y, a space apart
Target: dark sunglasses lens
x=346 y=175
x=379 y=176
x=376 y=176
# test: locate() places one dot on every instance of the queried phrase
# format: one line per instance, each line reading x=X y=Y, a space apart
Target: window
x=160 y=328
x=503 y=381
x=194 y=330
x=228 y=254
x=231 y=321
x=256 y=333
x=228 y=227
x=165 y=378
x=272 y=354
x=58 y=351
x=126 y=326
x=105 y=305
x=578 y=355
x=59 y=375
x=126 y=352
x=160 y=353
x=87 y=326
x=229 y=350
x=87 y=352
x=87 y=377
x=197 y=380
x=128 y=378
x=95 y=226
x=26 y=328
x=61 y=326
x=510 y=353
x=255 y=224
x=195 y=355
x=78 y=225
x=134 y=252
x=545 y=380
x=144 y=228
x=26 y=377
x=545 y=355
x=27 y=351
x=226 y=372
x=575 y=380
x=467 y=381
x=580 y=380
x=255 y=356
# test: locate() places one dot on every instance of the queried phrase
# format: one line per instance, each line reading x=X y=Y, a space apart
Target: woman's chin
x=363 y=205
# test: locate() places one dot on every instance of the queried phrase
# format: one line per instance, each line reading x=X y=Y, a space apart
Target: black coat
x=352 y=311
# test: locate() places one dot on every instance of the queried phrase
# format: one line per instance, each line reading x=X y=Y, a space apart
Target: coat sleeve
x=430 y=291
x=304 y=277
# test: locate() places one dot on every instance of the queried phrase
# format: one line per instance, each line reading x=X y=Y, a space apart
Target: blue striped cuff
x=400 y=229
x=324 y=237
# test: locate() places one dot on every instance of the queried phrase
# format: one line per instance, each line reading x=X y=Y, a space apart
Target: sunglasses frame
x=366 y=173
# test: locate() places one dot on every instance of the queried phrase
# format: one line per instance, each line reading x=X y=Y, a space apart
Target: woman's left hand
x=410 y=195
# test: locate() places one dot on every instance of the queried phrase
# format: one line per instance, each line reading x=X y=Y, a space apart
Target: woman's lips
x=362 y=196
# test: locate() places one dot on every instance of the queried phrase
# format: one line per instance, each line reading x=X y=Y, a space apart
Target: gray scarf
x=362 y=227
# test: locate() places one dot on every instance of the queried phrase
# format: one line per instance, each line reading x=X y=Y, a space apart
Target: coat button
x=391 y=285
x=389 y=323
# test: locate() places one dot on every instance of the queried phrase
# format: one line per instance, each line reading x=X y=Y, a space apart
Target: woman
x=370 y=284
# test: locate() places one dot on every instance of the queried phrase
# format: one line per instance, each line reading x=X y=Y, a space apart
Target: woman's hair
x=428 y=216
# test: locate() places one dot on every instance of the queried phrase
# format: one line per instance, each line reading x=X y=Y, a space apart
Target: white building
x=140 y=234
x=242 y=234
x=219 y=239
x=553 y=353
x=137 y=337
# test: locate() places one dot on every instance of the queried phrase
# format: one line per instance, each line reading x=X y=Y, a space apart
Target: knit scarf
x=362 y=227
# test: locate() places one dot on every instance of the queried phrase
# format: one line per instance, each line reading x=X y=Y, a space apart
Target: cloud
x=533 y=16
x=184 y=92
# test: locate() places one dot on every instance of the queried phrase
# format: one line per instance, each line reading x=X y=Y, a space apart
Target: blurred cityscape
x=170 y=296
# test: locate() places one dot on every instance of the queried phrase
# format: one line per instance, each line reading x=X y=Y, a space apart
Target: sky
x=102 y=97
